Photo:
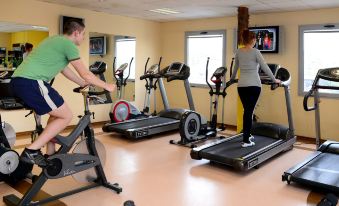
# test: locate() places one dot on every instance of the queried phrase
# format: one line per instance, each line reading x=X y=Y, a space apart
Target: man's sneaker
x=251 y=138
x=249 y=144
x=34 y=157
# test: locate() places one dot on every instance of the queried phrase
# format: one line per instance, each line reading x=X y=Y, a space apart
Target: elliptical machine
x=84 y=164
x=122 y=110
x=151 y=76
x=194 y=127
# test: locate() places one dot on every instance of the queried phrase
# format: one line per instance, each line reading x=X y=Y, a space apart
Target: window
x=318 y=50
x=199 y=46
x=124 y=51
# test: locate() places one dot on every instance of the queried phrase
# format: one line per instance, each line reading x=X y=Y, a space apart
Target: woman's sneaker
x=251 y=138
x=247 y=144
x=34 y=157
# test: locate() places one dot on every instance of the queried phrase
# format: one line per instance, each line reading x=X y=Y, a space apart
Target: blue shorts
x=36 y=94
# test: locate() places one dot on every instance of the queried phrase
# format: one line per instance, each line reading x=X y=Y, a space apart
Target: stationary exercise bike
x=84 y=164
x=194 y=127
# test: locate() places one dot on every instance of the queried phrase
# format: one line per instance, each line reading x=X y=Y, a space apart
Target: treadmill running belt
x=147 y=122
x=232 y=149
x=324 y=169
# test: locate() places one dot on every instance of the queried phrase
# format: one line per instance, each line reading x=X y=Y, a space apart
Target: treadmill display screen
x=274 y=68
x=175 y=68
x=96 y=64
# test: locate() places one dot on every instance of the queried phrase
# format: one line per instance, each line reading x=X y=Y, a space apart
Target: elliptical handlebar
x=230 y=82
x=146 y=65
x=129 y=70
x=114 y=69
x=209 y=85
x=231 y=68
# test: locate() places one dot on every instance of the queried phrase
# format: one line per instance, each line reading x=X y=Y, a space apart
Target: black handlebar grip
x=274 y=86
x=77 y=90
x=230 y=82
x=97 y=93
x=306 y=108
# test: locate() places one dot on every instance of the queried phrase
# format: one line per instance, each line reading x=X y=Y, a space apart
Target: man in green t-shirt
x=30 y=83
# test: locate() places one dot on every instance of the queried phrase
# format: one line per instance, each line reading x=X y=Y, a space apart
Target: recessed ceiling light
x=40 y=27
x=166 y=11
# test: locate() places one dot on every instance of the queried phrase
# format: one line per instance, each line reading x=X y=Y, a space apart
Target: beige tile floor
x=154 y=173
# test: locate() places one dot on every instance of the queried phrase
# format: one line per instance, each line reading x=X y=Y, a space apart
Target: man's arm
x=89 y=77
x=69 y=74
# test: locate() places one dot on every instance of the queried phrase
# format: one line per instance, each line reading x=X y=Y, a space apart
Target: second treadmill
x=166 y=120
x=270 y=138
x=320 y=170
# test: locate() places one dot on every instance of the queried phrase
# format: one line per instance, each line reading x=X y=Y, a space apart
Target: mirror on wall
x=16 y=42
x=109 y=53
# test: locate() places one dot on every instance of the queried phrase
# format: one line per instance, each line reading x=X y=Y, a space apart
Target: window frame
x=207 y=32
x=321 y=28
x=116 y=39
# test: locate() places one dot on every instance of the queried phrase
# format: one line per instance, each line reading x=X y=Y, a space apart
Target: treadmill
x=167 y=119
x=270 y=139
x=321 y=169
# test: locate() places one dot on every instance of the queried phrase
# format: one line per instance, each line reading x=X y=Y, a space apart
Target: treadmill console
x=175 y=68
x=98 y=67
x=265 y=79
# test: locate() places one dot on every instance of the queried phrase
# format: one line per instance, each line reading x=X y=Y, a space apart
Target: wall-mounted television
x=64 y=19
x=267 y=38
x=97 y=45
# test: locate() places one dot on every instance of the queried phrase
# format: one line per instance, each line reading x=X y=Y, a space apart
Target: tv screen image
x=267 y=38
x=97 y=45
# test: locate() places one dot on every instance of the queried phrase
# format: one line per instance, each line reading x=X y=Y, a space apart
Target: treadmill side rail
x=292 y=170
x=195 y=151
x=286 y=145
x=145 y=132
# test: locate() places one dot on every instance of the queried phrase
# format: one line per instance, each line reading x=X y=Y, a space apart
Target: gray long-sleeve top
x=249 y=62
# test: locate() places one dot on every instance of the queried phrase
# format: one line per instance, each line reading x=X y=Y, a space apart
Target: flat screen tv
x=267 y=38
x=97 y=45
x=64 y=19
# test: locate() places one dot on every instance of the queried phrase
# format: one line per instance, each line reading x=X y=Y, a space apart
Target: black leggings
x=249 y=97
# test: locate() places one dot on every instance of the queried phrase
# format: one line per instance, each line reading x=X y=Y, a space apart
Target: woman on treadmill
x=249 y=85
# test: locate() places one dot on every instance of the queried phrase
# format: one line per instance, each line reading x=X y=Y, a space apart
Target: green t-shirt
x=48 y=59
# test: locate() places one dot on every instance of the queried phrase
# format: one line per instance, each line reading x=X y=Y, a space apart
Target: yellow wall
x=5 y=39
x=271 y=105
x=33 y=37
x=46 y=14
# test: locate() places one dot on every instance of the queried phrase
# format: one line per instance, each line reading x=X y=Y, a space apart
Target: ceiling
x=192 y=9
x=13 y=27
